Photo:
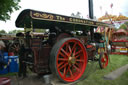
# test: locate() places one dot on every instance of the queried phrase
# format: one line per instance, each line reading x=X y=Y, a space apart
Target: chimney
x=91 y=9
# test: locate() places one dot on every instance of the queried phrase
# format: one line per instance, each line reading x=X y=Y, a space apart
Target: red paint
x=71 y=60
x=4 y=81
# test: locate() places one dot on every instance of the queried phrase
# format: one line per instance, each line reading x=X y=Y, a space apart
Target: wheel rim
x=71 y=60
x=104 y=60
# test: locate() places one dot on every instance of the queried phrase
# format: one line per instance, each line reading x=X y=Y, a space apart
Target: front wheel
x=68 y=60
x=103 y=60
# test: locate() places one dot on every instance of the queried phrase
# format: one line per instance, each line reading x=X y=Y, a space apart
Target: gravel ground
x=33 y=79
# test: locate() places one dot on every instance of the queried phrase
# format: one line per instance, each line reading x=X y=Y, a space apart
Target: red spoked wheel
x=103 y=60
x=68 y=59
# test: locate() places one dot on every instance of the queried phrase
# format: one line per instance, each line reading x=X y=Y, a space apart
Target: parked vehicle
x=65 y=49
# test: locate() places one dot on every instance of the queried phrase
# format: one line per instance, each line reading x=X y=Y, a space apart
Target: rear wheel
x=68 y=60
x=103 y=60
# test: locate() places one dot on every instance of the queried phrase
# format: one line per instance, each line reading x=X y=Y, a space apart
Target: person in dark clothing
x=22 y=64
x=2 y=62
x=21 y=52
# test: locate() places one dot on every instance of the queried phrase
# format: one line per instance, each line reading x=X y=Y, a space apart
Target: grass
x=96 y=78
x=9 y=74
x=96 y=74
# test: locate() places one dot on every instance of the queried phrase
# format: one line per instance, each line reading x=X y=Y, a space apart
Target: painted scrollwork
x=44 y=16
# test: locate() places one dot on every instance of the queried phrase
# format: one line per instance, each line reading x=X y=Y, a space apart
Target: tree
x=123 y=26
x=2 y=31
x=7 y=7
x=72 y=14
x=15 y=31
x=126 y=23
x=77 y=15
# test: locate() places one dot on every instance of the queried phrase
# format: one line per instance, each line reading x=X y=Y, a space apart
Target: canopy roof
x=30 y=18
x=120 y=32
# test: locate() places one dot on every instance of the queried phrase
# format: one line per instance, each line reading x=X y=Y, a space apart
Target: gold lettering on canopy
x=60 y=18
x=44 y=16
x=53 y=17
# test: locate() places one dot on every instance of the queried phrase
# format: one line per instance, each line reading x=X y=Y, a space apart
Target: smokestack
x=91 y=9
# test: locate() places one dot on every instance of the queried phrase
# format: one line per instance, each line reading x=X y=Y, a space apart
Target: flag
x=111 y=5
x=100 y=7
x=100 y=29
x=87 y=16
x=106 y=14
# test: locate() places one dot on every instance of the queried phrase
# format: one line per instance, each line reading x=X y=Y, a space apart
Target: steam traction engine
x=65 y=49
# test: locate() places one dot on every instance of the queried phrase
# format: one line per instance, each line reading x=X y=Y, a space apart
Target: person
x=2 y=62
x=21 y=51
x=22 y=64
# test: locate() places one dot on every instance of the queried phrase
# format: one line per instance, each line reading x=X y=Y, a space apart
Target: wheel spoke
x=78 y=52
x=71 y=74
x=61 y=63
x=64 y=73
x=77 y=56
x=67 y=70
x=74 y=46
x=80 y=60
x=76 y=68
x=63 y=55
x=70 y=51
x=74 y=52
x=62 y=59
x=64 y=65
x=64 y=52
x=77 y=64
x=102 y=59
x=66 y=48
x=103 y=64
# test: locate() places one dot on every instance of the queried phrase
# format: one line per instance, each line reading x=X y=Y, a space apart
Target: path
x=115 y=74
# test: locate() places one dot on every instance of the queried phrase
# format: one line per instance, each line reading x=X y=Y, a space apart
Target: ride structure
x=119 y=42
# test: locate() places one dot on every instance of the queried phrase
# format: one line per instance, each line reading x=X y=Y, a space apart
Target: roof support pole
x=25 y=28
x=32 y=29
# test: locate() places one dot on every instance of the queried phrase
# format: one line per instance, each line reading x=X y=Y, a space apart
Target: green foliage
x=9 y=75
x=2 y=31
x=97 y=77
x=15 y=31
x=126 y=23
x=35 y=30
x=7 y=7
x=123 y=26
x=40 y=30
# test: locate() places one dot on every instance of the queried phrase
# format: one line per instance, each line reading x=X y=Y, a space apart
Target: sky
x=67 y=7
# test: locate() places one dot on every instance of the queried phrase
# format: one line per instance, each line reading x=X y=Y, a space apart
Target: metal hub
x=72 y=60
x=104 y=59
